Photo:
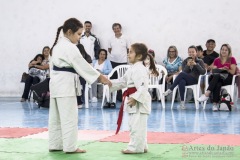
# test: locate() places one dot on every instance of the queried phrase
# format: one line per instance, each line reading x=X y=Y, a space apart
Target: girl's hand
x=104 y=80
x=131 y=102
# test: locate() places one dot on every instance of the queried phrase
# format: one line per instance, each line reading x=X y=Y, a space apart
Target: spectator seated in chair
x=43 y=68
x=227 y=64
x=103 y=65
x=173 y=65
x=192 y=68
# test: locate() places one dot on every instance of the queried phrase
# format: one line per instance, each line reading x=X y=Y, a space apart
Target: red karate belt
x=126 y=93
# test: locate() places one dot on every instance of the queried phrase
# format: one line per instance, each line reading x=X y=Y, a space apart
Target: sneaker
x=182 y=105
x=107 y=105
x=203 y=98
x=167 y=92
x=94 y=100
x=112 y=105
x=80 y=106
x=215 y=108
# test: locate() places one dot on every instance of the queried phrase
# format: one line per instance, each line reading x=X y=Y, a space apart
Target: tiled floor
x=16 y=114
x=170 y=133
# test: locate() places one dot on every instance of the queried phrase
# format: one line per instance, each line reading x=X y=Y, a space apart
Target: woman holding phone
x=192 y=67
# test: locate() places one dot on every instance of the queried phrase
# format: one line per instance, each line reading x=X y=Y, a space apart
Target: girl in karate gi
x=136 y=99
x=149 y=63
x=66 y=65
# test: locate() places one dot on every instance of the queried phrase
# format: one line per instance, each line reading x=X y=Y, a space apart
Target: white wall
x=28 y=25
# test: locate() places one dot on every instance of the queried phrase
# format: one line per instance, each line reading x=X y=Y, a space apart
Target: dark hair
x=194 y=47
x=45 y=48
x=140 y=49
x=199 y=48
x=87 y=22
x=38 y=55
x=152 y=66
x=210 y=40
x=73 y=24
x=101 y=51
x=116 y=24
x=150 y=51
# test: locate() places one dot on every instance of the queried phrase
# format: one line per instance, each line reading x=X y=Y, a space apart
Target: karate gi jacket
x=62 y=83
x=136 y=76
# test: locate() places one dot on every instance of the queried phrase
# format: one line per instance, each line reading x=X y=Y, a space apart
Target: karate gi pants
x=138 y=132
x=63 y=124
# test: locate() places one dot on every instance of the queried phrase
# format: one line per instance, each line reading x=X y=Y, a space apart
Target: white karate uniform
x=64 y=87
x=136 y=76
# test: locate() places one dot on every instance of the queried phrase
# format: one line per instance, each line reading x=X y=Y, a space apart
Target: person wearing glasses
x=173 y=63
x=192 y=68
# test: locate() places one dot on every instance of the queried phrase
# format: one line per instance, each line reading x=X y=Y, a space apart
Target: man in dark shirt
x=87 y=57
x=209 y=54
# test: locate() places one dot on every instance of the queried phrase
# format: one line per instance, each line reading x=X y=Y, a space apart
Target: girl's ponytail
x=152 y=66
x=58 y=32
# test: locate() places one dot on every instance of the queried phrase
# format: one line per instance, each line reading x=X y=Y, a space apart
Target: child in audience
x=34 y=71
x=201 y=56
x=32 y=79
x=200 y=52
x=138 y=103
x=150 y=64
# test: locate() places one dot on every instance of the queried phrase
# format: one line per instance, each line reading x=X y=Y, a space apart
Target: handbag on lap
x=223 y=73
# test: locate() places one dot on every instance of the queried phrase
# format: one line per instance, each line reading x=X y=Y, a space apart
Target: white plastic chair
x=196 y=91
x=87 y=88
x=154 y=83
x=231 y=89
x=121 y=70
x=86 y=93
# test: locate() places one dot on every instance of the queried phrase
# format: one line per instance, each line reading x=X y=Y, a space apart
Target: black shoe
x=107 y=105
x=112 y=105
x=154 y=99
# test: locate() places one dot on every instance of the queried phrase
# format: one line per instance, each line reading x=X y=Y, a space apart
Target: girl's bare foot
x=77 y=151
x=126 y=151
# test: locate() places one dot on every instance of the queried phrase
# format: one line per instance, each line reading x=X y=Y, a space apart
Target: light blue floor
x=27 y=114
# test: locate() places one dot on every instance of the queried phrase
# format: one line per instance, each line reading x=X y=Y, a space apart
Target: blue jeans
x=182 y=80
